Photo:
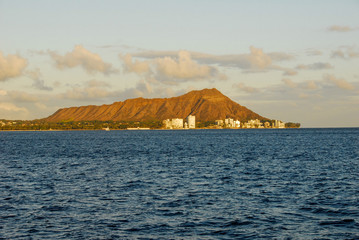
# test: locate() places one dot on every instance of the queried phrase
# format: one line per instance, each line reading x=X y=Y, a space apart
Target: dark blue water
x=200 y=184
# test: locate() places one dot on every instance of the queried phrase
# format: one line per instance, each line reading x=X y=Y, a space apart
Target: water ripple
x=221 y=184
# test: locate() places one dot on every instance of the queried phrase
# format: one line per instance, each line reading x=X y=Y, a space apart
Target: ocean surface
x=190 y=184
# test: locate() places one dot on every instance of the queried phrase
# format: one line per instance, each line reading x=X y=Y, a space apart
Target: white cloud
x=183 y=68
x=144 y=89
x=258 y=59
x=245 y=88
x=96 y=83
x=93 y=89
x=289 y=72
x=11 y=66
x=339 y=82
x=86 y=93
x=11 y=107
x=38 y=83
x=345 y=53
x=310 y=85
x=254 y=61
x=135 y=66
x=3 y=92
x=314 y=52
x=315 y=66
x=41 y=106
x=352 y=53
x=281 y=56
x=34 y=74
x=9 y=111
x=303 y=95
x=337 y=28
x=172 y=69
x=80 y=56
x=289 y=83
x=21 y=96
x=338 y=54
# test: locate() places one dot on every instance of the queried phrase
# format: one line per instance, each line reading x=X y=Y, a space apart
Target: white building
x=279 y=124
x=253 y=124
x=229 y=122
x=167 y=124
x=191 y=121
x=177 y=123
x=237 y=124
x=219 y=123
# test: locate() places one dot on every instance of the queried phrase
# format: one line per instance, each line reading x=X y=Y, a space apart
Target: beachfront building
x=167 y=124
x=267 y=125
x=278 y=124
x=219 y=123
x=253 y=124
x=281 y=124
x=229 y=122
x=177 y=123
x=191 y=121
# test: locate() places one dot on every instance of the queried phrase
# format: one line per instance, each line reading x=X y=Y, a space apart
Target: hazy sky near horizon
x=290 y=60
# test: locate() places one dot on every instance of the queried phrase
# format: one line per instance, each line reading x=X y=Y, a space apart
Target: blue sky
x=287 y=60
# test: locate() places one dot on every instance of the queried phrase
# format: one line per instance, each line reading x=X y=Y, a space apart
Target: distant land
x=206 y=105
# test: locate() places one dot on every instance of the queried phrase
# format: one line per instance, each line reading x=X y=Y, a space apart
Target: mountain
x=206 y=105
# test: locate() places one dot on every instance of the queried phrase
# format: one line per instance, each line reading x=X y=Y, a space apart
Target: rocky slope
x=206 y=105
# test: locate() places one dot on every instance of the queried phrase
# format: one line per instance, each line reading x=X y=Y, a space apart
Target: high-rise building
x=229 y=122
x=191 y=121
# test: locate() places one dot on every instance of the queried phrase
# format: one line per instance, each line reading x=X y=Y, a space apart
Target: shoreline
x=69 y=130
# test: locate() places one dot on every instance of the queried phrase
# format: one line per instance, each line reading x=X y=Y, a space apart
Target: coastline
x=161 y=129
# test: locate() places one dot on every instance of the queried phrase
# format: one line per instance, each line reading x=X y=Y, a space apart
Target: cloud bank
x=337 y=28
x=328 y=80
x=315 y=66
x=82 y=57
x=92 y=89
x=6 y=106
x=345 y=53
x=183 y=68
x=171 y=68
x=134 y=66
x=244 y=88
x=254 y=61
x=339 y=82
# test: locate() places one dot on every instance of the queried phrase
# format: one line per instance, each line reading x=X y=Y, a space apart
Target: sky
x=296 y=61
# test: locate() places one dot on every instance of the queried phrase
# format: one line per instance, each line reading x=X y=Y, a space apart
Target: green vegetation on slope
x=76 y=125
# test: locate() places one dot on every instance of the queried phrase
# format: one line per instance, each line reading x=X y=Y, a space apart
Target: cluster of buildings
x=190 y=123
x=231 y=123
x=178 y=123
x=228 y=123
x=7 y=123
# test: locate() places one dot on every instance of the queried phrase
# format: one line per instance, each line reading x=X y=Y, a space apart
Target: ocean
x=180 y=184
